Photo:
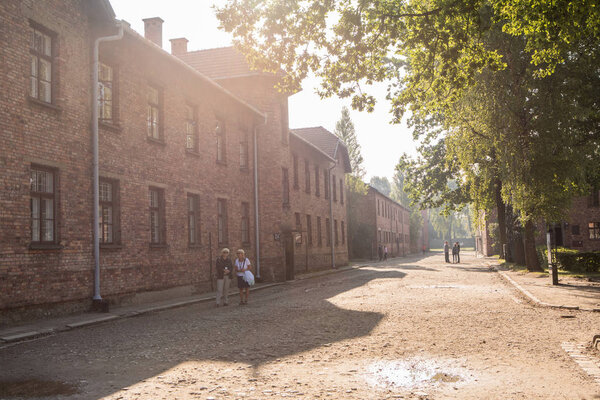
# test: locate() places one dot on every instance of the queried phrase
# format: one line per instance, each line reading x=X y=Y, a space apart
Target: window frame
x=160 y=217
x=245 y=223
x=244 y=154
x=326 y=183
x=333 y=188
x=191 y=128
x=295 y=171
x=341 y=191
x=307 y=176
x=221 y=140
x=114 y=120
x=195 y=238
x=335 y=232
x=319 y=233
x=343 y=230
x=48 y=196
x=33 y=52
x=158 y=106
x=309 y=236
x=222 y=222
x=114 y=203
x=317 y=181
x=595 y=228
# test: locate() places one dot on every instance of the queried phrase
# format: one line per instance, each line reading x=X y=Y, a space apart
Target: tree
x=344 y=129
x=382 y=184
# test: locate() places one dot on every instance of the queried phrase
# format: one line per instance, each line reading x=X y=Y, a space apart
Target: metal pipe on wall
x=96 y=179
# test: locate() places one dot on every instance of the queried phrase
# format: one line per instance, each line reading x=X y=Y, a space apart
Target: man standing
x=385 y=251
x=380 y=252
x=458 y=252
x=447 y=251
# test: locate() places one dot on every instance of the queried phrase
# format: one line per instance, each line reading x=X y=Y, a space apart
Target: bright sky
x=381 y=143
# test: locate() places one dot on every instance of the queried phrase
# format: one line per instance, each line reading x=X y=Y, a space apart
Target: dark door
x=289 y=257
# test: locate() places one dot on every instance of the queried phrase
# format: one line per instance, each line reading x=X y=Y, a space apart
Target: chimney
x=153 y=30
x=178 y=46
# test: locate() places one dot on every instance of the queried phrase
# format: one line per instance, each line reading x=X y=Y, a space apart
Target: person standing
x=224 y=269
x=458 y=252
x=385 y=252
x=454 y=253
x=380 y=252
x=242 y=264
x=447 y=251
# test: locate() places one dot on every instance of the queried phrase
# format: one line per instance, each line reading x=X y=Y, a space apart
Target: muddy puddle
x=32 y=388
x=418 y=373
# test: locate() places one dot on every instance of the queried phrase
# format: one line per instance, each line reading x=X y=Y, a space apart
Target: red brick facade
x=176 y=151
x=382 y=222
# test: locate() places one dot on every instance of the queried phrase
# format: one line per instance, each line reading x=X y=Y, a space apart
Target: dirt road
x=409 y=328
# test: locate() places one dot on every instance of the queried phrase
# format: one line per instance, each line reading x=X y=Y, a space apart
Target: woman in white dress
x=242 y=264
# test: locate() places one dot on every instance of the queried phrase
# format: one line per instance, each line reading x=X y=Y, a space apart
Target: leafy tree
x=382 y=184
x=344 y=129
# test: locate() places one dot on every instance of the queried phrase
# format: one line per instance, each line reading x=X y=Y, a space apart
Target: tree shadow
x=278 y=322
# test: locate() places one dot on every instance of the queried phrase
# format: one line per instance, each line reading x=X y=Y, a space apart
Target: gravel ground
x=409 y=328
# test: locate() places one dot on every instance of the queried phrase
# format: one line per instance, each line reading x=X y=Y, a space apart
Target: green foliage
x=356 y=185
x=571 y=260
x=344 y=129
x=382 y=184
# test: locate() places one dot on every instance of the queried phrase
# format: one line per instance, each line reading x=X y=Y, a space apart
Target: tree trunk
x=510 y=235
x=501 y=209
x=531 y=260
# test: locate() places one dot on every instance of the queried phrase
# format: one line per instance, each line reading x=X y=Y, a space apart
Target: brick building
x=186 y=159
x=377 y=220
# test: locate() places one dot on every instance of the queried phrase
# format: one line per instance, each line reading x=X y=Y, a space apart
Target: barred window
x=157 y=212
x=328 y=231
x=333 y=189
x=191 y=131
x=41 y=58
x=154 y=113
x=317 y=182
x=43 y=205
x=107 y=220
x=594 y=229
x=307 y=176
x=309 y=230
x=105 y=93
x=295 y=170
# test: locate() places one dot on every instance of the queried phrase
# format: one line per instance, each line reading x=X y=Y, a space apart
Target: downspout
x=256 y=219
x=331 y=216
x=95 y=228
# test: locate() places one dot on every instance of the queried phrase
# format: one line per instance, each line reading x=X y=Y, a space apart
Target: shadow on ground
x=278 y=322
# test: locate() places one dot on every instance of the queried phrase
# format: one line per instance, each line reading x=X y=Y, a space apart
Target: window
x=319 y=236
x=298 y=222
x=109 y=211
x=341 y=191
x=594 y=198
x=575 y=230
x=343 y=233
x=333 y=189
x=220 y=131
x=222 y=221
x=326 y=182
x=309 y=237
x=317 y=183
x=307 y=176
x=285 y=185
x=594 y=229
x=244 y=153
x=245 y=222
x=191 y=132
x=284 y=121
x=328 y=229
x=106 y=92
x=295 y=171
x=335 y=231
x=41 y=58
x=378 y=207
x=154 y=113
x=43 y=205
x=157 y=213
x=193 y=219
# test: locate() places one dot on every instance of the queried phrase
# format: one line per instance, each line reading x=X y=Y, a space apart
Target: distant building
x=377 y=220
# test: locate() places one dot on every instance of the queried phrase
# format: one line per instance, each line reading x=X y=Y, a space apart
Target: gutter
x=96 y=180
x=331 y=241
x=256 y=219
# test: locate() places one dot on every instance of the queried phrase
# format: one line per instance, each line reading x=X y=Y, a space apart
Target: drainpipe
x=95 y=228
x=256 y=219
x=331 y=216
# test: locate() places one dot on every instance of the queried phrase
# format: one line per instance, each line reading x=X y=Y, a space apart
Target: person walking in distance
x=242 y=264
x=457 y=252
x=447 y=251
x=385 y=252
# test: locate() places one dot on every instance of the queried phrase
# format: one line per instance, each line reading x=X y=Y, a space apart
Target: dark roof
x=219 y=63
x=325 y=141
x=100 y=10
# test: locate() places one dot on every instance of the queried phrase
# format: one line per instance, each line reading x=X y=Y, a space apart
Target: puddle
x=31 y=388
x=417 y=373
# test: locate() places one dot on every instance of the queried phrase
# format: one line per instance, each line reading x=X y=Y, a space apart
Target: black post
x=210 y=276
